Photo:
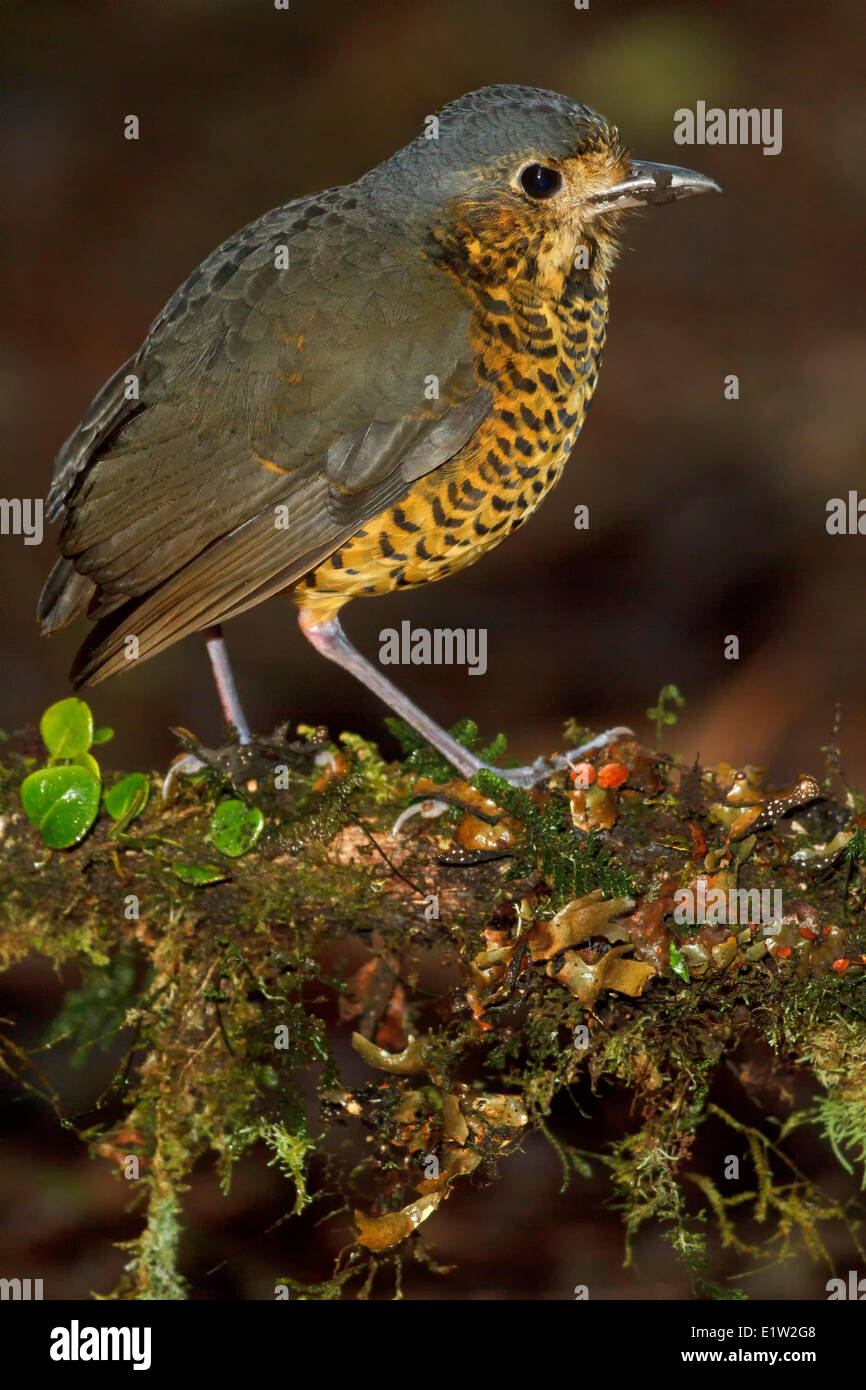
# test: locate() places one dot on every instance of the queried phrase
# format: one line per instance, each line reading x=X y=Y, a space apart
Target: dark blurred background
x=707 y=515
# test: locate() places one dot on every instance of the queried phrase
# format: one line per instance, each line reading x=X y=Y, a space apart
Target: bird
x=362 y=391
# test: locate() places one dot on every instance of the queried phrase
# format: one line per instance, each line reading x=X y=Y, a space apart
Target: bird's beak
x=652 y=183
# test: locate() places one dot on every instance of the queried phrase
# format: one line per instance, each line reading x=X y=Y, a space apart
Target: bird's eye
x=539 y=181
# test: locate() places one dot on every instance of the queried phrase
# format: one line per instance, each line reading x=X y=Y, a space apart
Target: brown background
x=707 y=516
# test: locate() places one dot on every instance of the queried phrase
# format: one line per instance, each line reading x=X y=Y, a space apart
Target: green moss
x=228 y=995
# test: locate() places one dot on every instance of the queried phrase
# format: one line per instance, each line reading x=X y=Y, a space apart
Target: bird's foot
x=527 y=777
x=184 y=765
x=232 y=763
x=543 y=768
x=243 y=763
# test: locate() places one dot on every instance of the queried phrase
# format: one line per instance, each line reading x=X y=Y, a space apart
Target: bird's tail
x=66 y=595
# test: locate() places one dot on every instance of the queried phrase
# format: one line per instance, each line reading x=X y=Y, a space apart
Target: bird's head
x=515 y=181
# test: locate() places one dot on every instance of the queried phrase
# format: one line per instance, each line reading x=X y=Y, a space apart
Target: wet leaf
x=591 y=915
x=594 y=808
x=624 y=976
x=128 y=798
x=235 y=827
x=678 y=963
x=62 y=802
x=402 y=1063
x=586 y=981
x=67 y=728
x=380 y=1232
x=89 y=763
x=454 y=1125
x=199 y=874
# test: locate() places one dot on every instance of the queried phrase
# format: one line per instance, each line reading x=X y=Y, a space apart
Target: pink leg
x=225 y=683
x=329 y=638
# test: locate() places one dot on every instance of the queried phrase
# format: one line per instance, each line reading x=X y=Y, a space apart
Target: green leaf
x=235 y=827
x=199 y=874
x=103 y=735
x=678 y=964
x=581 y=1165
x=67 y=728
x=89 y=763
x=62 y=802
x=496 y=749
x=660 y=714
x=128 y=798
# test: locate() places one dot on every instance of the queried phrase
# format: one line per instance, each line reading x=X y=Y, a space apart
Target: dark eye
x=539 y=181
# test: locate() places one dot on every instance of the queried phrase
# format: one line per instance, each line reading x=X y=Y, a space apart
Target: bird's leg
x=232 y=709
x=225 y=683
x=329 y=638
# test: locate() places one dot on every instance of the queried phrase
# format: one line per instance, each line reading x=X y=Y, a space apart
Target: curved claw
x=428 y=809
x=183 y=766
x=327 y=760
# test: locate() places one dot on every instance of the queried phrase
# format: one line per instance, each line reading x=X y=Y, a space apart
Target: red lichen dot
x=841 y=964
x=612 y=775
x=583 y=774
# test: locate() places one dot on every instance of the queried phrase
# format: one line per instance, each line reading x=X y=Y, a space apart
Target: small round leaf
x=199 y=874
x=62 y=802
x=103 y=735
x=678 y=963
x=67 y=728
x=128 y=797
x=235 y=827
x=87 y=761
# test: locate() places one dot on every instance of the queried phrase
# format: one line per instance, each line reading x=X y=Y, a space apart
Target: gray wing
x=306 y=388
x=108 y=409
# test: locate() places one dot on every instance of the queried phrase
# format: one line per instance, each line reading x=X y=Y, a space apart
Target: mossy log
x=481 y=955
